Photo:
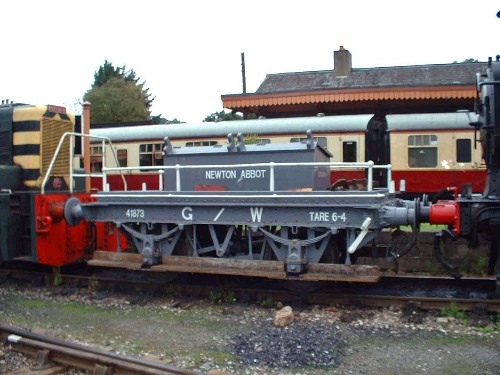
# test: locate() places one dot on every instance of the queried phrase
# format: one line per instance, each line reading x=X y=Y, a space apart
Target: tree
x=106 y=72
x=161 y=120
x=117 y=101
x=469 y=60
x=110 y=104
x=223 y=116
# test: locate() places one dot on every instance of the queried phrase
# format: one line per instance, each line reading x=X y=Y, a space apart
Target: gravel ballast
x=242 y=338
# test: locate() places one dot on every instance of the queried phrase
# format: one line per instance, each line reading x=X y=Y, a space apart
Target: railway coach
x=428 y=152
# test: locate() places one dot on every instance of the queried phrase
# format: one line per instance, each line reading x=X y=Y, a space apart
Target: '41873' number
x=135 y=213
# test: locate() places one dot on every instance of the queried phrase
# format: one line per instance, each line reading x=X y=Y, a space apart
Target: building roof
x=458 y=74
x=396 y=89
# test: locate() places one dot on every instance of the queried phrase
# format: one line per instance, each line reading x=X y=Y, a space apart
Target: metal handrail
x=72 y=136
x=272 y=165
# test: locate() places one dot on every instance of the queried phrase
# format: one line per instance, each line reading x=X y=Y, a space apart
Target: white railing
x=369 y=166
x=72 y=174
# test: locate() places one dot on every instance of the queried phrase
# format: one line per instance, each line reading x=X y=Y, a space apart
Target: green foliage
x=268 y=302
x=117 y=101
x=106 y=72
x=93 y=284
x=469 y=60
x=482 y=264
x=432 y=267
x=223 y=116
x=162 y=120
x=488 y=329
x=117 y=96
x=222 y=296
x=454 y=312
x=251 y=139
x=58 y=281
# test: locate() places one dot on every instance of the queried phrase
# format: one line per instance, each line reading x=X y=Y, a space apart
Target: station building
x=347 y=90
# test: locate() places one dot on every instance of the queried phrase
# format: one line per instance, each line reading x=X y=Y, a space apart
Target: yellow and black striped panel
x=36 y=134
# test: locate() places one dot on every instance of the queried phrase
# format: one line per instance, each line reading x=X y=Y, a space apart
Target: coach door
x=377 y=147
x=346 y=148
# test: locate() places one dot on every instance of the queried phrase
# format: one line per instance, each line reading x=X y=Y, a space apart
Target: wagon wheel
x=332 y=252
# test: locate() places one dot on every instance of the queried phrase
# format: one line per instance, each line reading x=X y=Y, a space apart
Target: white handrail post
x=370 y=176
x=177 y=177
x=105 y=186
x=71 y=146
x=271 y=176
x=105 y=178
x=389 y=174
x=160 y=179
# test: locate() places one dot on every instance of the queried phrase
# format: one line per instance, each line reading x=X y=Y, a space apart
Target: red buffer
x=446 y=212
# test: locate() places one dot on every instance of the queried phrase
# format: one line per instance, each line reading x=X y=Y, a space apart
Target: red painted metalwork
x=59 y=244
x=445 y=212
x=134 y=182
x=426 y=181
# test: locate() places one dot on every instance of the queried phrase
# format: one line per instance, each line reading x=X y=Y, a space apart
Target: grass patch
x=454 y=312
x=268 y=302
x=121 y=327
x=200 y=357
x=222 y=296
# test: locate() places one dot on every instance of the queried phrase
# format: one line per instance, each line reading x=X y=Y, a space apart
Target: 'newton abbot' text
x=228 y=174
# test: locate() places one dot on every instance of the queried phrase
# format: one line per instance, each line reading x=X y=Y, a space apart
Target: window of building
x=464 y=151
x=320 y=140
x=422 y=151
x=150 y=154
x=349 y=151
x=96 y=159
x=200 y=143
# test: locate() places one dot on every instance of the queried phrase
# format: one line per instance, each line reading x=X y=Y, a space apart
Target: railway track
x=54 y=356
x=428 y=293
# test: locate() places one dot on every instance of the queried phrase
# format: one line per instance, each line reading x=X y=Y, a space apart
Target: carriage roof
x=296 y=125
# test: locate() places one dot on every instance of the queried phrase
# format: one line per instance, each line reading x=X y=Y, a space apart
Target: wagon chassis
x=278 y=235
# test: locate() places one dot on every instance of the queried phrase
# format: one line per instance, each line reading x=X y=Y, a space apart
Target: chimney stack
x=342 y=62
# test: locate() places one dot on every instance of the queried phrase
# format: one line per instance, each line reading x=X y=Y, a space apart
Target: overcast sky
x=189 y=52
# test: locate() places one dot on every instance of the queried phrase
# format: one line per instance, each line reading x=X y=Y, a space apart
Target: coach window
x=150 y=154
x=321 y=141
x=349 y=152
x=422 y=151
x=96 y=159
x=262 y=141
x=464 y=151
x=201 y=143
x=122 y=157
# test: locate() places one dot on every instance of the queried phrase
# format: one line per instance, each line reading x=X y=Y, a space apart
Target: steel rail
x=83 y=357
x=320 y=296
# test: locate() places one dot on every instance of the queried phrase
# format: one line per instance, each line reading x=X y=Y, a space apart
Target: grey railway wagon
x=221 y=170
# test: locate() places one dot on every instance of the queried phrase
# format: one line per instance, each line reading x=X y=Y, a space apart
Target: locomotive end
x=73 y=213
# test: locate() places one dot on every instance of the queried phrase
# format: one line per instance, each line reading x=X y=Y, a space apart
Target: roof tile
x=457 y=74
